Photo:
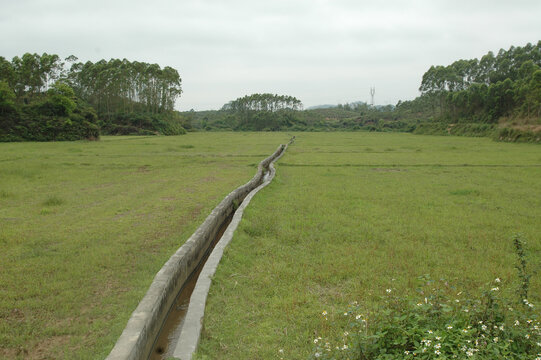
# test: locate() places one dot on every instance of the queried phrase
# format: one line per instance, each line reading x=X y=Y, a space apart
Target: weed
x=524 y=277
x=53 y=201
x=440 y=324
x=46 y=211
x=465 y=192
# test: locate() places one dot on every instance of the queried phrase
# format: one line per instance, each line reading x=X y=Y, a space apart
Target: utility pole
x=372 y=93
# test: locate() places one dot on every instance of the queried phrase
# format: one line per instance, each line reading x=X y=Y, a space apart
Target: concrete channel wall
x=193 y=323
x=143 y=327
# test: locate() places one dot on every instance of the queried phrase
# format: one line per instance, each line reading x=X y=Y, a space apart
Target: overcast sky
x=318 y=51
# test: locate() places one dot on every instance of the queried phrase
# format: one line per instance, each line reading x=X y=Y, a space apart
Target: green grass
x=85 y=226
x=347 y=218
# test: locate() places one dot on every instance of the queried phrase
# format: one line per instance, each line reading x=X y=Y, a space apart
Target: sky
x=320 y=51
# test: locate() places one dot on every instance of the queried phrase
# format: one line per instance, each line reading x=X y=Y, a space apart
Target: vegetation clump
x=442 y=323
x=43 y=98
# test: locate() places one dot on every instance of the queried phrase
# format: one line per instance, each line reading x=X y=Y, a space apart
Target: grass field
x=85 y=226
x=350 y=215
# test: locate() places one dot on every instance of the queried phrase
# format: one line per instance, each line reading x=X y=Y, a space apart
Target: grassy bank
x=85 y=226
x=350 y=215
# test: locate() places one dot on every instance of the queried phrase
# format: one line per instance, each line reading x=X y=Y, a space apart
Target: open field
x=85 y=226
x=350 y=215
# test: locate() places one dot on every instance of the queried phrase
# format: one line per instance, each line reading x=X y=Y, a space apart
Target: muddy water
x=165 y=343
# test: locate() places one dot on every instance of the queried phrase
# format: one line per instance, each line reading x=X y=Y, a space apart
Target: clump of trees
x=483 y=90
x=44 y=98
x=262 y=112
x=37 y=103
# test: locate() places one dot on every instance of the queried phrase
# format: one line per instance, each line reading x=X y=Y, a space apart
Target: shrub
x=442 y=324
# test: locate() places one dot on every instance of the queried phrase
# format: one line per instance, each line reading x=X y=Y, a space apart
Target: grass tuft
x=465 y=192
x=53 y=201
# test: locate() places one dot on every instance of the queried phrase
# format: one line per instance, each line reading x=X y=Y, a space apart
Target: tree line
x=261 y=112
x=477 y=97
x=122 y=86
x=484 y=90
x=43 y=97
x=263 y=102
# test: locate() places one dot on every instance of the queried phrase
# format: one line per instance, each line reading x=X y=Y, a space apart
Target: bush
x=442 y=324
x=516 y=135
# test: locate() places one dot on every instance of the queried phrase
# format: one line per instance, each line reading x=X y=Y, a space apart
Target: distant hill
x=353 y=104
x=326 y=106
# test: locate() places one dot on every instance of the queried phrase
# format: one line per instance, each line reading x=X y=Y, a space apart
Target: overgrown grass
x=441 y=322
x=346 y=219
x=85 y=226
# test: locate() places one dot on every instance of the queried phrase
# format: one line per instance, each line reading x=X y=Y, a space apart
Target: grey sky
x=318 y=51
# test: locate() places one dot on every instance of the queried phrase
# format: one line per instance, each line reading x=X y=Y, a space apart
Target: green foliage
x=121 y=86
x=41 y=99
x=511 y=134
x=441 y=323
x=523 y=275
x=258 y=112
x=52 y=116
x=60 y=101
x=460 y=129
x=138 y=123
x=486 y=90
x=53 y=201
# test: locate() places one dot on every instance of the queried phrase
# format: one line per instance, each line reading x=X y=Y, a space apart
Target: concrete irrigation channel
x=167 y=322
